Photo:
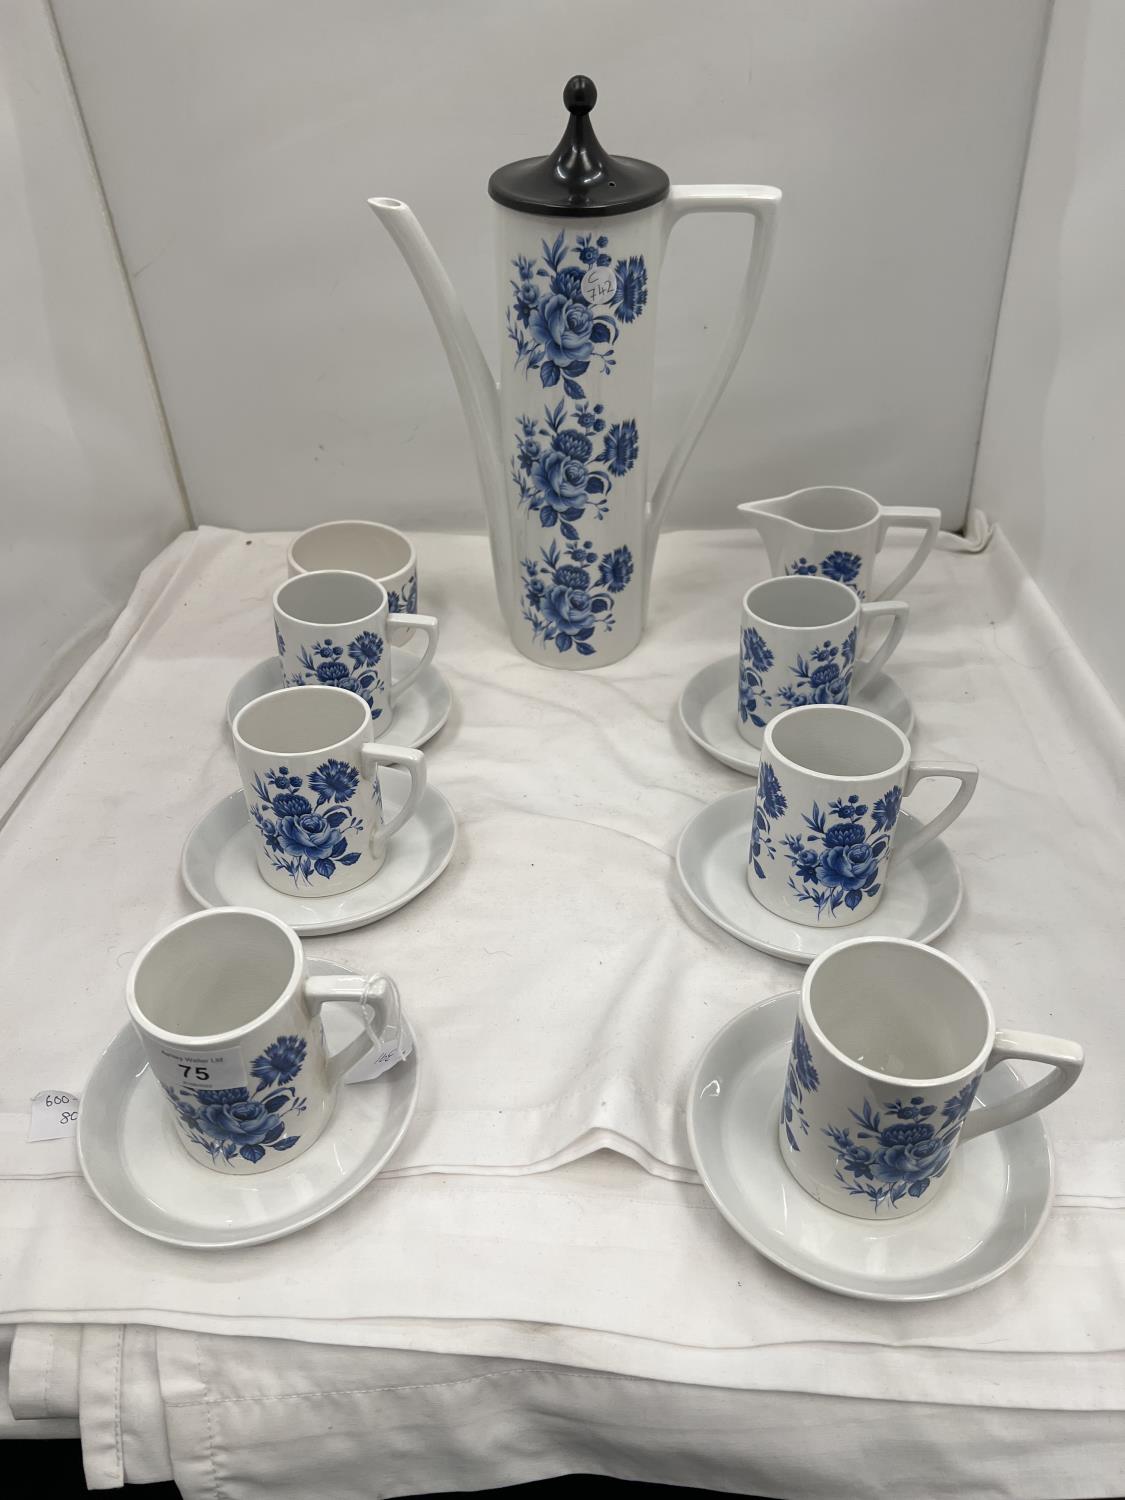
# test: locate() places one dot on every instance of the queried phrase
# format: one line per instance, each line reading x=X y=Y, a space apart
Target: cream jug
x=834 y=532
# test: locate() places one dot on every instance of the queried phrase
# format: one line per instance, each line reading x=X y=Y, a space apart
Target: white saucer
x=707 y=711
x=418 y=714
x=219 y=867
x=988 y=1215
x=135 y=1166
x=922 y=897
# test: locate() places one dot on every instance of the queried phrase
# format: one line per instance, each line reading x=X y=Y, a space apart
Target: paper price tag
x=54 y=1114
x=381 y=1061
x=199 y=1070
x=599 y=285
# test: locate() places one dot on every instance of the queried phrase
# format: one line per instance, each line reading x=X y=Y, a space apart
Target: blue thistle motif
x=842 y=567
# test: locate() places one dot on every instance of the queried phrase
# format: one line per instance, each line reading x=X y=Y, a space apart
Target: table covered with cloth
x=537 y=1283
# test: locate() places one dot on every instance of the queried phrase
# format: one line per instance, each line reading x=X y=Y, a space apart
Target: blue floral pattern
x=565 y=478
x=769 y=804
x=899 y=1150
x=353 y=666
x=405 y=603
x=569 y=306
x=801 y=1078
x=233 y=1123
x=840 y=860
x=843 y=567
x=823 y=677
x=303 y=840
x=565 y=602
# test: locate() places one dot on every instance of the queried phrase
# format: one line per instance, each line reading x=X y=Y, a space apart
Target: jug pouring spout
x=476 y=385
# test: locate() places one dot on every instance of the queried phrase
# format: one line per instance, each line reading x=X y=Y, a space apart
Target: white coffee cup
x=831 y=784
x=332 y=631
x=892 y=1039
x=310 y=776
x=230 y=1024
x=798 y=644
x=363 y=547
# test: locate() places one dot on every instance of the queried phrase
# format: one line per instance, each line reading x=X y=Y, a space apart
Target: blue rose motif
x=755 y=650
x=621 y=446
x=312 y=836
x=563 y=327
x=561 y=479
x=244 y=1121
x=911 y=1154
x=280 y=1062
x=616 y=569
x=847 y=865
x=367 y=649
x=632 y=288
x=770 y=794
x=842 y=566
x=569 y=610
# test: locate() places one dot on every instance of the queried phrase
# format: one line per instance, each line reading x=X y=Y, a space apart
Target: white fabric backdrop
x=1053 y=441
x=88 y=492
x=299 y=367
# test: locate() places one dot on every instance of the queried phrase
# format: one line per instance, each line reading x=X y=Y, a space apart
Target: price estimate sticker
x=54 y=1115
x=199 y=1070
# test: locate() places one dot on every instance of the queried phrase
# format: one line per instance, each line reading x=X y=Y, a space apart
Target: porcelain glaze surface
x=994 y=1205
x=134 y=1164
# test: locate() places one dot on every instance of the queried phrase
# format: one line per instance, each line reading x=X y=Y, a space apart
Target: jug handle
x=762 y=203
x=920 y=517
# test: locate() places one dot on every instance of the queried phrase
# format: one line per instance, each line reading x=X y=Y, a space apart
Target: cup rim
x=280 y=610
x=410 y=565
x=803 y=579
x=311 y=687
x=215 y=1038
x=866 y=777
x=897 y=1080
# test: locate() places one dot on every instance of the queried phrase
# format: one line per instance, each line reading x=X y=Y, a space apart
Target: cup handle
x=354 y=989
x=898 y=611
x=1066 y=1059
x=909 y=515
x=429 y=627
x=919 y=771
x=373 y=756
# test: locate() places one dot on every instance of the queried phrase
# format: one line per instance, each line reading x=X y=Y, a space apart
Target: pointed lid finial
x=579 y=179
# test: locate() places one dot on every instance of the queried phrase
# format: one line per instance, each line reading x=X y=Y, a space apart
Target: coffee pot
x=562 y=443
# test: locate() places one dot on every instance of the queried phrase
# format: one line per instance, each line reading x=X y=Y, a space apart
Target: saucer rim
x=326 y=928
x=742 y=767
x=853 y=929
x=825 y=1283
x=316 y=966
x=430 y=666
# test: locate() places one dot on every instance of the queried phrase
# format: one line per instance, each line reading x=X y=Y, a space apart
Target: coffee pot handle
x=1066 y=1059
x=917 y=516
x=762 y=203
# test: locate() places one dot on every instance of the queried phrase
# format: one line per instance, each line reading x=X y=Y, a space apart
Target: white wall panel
x=238 y=142
x=1052 y=455
x=88 y=494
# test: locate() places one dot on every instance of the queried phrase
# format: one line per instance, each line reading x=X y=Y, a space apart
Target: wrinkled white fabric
x=259 y=1417
x=559 y=980
x=561 y=985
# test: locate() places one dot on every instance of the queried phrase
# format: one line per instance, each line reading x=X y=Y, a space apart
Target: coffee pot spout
x=476 y=385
